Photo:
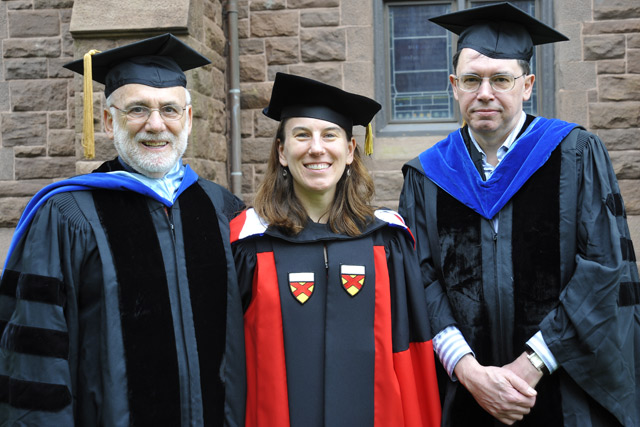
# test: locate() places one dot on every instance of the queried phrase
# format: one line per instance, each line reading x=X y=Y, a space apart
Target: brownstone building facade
x=596 y=82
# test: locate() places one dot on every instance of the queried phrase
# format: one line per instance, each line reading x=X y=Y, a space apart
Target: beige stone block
x=29 y=151
x=620 y=139
x=272 y=70
x=388 y=185
x=252 y=68
x=360 y=44
x=255 y=95
x=282 y=50
x=614 y=115
x=258 y=5
x=264 y=127
x=122 y=16
x=84 y=167
x=320 y=44
x=38 y=95
x=611 y=27
x=274 y=24
x=572 y=106
x=207 y=169
x=320 y=18
x=23 y=129
x=633 y=41
x=357 y=13
x=630 y=191
x=30 y=23
x=31 y=68
x=61 y=143
x=215 y=38
x=251 y=46
x=615 y=9
x=40 y=47
x=308 y=4
x=243 y=29
x=619 y=87
x=569 y=51
x=256 y=150
x=330 y=73
x=571 y=11
x=10 y=210
x=577 y=76
x=604 y=47
x=246 y=123
x=633 y=61
x=359 y=78
x=614 y=66
x=44 y=167
x=626 y=164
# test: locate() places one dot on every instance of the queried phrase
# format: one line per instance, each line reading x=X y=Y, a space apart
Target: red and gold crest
x=301 y=286
x=352 y=278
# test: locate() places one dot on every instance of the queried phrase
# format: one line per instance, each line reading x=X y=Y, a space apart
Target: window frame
x=545 y=77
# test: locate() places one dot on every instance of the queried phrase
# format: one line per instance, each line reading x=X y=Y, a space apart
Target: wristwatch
x=536 y=361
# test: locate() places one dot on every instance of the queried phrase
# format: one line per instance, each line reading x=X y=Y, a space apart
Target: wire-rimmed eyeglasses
x=140 y=113
x=499 y=82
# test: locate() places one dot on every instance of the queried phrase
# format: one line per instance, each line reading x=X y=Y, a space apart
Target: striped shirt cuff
x=450 y=346
x=537 y=344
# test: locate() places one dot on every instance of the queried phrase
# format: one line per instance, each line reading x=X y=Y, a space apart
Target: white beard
x=145 y=161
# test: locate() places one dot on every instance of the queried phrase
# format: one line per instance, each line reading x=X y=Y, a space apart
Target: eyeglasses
x=140 y=113
x=498 y=82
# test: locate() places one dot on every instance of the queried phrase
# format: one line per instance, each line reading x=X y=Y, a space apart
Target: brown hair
x=277 y=203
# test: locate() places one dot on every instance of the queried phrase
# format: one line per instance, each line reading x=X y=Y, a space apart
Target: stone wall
x=36 y=116
x=41 y=102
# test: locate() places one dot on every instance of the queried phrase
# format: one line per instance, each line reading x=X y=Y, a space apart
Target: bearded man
x=118 y=301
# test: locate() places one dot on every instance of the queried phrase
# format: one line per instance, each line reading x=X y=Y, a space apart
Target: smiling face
x=316 y=152
x=491 y=115
x=153 y=147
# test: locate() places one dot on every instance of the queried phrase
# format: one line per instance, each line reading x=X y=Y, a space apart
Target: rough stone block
x=614 y=66
x=61 y=142
x=39 y=95
x=326 y=73
x=318 y=45
x=31 y=68
x=6 y=164
x=30 y=151
x=274 y=24
x=56 y=70
x=251 y=46
x=272 y=70
x=217 y=117
x=388 y=184
x=53 y=4
x=256 y=150
x=633 y=61
x=246 y=123
x=604 y=47
x=572 y=106
x=23 y=129
x=32 y=48
x=626 y=164
x=619 y=87
x=105 y=150
x=252 y=68
x=620 y=139
x=308 y=4
x=630 y=191
x=320 y=18
x=10 y=210
x=614 y=115
x=5 y=105
x=258 y=5
x=204 y=168
x=282 y=50
x=45 y=167
x=619 y=26
x=40 y=23
x=22 y=188
x=264 y=127
x=243 y=29
x=358 y=13
x=616 y=9
x=19 y=5
x=633 y=41
x=216 y=38
x=255 y=95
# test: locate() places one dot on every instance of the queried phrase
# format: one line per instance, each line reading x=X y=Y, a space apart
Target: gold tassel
x=368 y=141
x=88 y=142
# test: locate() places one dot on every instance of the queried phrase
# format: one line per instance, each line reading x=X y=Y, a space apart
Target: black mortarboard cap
x=296 y=96
x=499 y=31
x=157 y=61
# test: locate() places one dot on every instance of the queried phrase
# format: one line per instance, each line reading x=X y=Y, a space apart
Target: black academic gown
x=562 y=262
x=117 y=310
x=336 y=326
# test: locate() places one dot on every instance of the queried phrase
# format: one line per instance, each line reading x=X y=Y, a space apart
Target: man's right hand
x=499 y=391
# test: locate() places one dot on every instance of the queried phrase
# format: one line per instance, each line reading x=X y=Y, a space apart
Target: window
x=414 y=55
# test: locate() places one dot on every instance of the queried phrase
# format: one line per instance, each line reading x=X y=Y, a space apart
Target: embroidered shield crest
x=301 y=286
x=352 y=278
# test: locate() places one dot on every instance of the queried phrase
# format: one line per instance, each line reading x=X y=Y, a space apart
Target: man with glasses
x=527 y=262
x=119 y=301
